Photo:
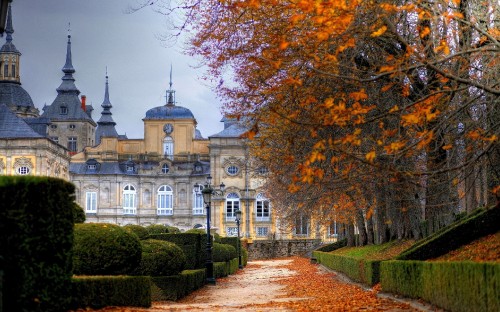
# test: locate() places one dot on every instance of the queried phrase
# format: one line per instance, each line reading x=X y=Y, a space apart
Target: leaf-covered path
x=290 y=284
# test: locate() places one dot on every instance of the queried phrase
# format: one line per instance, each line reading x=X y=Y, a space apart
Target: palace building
x=151 y=180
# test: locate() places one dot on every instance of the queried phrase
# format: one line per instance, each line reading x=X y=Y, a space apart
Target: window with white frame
x=301 y=225
x=23 y=170
x=72 y=144
x=165 y=168
x=129 y=195
x=262 y=208
x=197 y=202
x=91 y=202
x=231 y=231
x=262 y=231
x=165 y=201
x=232 y=204
x=168 y=147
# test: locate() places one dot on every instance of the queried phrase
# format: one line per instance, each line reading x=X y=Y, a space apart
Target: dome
x=12 y=94
x=169 y=112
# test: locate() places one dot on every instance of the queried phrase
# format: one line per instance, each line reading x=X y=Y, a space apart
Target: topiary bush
x=160 y=258
x=104 y=249
x=78 y=213
x=156 y=229
x=173 y=230
x=36 y=219
x=221 y=252
x=138 y=230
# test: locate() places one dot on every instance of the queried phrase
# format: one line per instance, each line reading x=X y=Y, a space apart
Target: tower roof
x=67 y=105
x=9 y=47
x=12 y=126
x=106 y=124
x=169 y=110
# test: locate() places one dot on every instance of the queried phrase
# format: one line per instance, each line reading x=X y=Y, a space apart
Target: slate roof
x=233 y=131
x=14 y=127
x=106 y=124
x=169 y=112
x=12 y=94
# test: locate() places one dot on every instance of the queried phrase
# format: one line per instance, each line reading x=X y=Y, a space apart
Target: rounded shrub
x=78 y=213
x=138 y=230
x=156 y=229
x=104 y=249
x=173 y=230
x=160 y=258
x=196 y=231
x=220 y=252
x=232 y=251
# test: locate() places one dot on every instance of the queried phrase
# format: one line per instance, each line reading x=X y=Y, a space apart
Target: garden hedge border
x=454 y=286
x=359 y=270
x=101 y=291
x=176 y=286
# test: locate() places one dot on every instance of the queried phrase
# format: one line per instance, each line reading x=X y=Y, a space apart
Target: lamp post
x=207 y=191
x=238 y=219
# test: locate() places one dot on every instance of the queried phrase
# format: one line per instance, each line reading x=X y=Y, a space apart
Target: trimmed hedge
x=36 y=222
x=138 y=230
x=176 y=286
x=160 y=258
x=193 y=245
x=359 y=270
x=454 y=286
x=101 y=291
x=156 y=229
x=105 y=249
x=223 y=252
x=480 y=223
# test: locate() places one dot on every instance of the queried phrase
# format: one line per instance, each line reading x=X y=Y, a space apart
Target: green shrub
x=157 y=229
x=173 y=230
x=454 y=286
x=78 y=213
x=160 y=258
x=196 y=231
x=138 y=230
x=101 y=291
x=220 y=269
x=193 y=245
x=177 y=286
x=105 y=249
x=222 y=252
x=36 y=222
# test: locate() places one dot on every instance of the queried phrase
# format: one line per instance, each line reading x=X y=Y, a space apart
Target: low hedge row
x=454 y=286
x=177 y=286
x=480 y=223
x=193 y=245
x=100 y=291
x=359 y=270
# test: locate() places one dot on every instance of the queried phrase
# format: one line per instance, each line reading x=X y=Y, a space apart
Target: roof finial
x=68 y=66
x=106 y=103
x=9 y=30
x=170 y=92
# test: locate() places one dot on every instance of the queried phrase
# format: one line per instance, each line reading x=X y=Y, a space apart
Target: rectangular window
x=231 y=231
x=164 y=205
x=262 y=213
x=302 y=226
x=91 y=202
x=72 y=144
x=14 y=70
x=231 y=207
x=198 y=204
x=129 y=203
x=262 y=231
x=6 y=70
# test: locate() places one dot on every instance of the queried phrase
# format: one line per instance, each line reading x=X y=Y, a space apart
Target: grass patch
x=375 y=252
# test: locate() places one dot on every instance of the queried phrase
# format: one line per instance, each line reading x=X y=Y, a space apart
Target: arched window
x=197 y=201
x=232 y=204
x=262 y=209
x=168 y=147
x=164 y=201
x=129 y=199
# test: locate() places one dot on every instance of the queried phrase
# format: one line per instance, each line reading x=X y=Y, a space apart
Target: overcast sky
x=103 y=34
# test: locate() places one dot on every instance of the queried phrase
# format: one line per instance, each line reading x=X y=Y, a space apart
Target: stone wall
x=268 y=249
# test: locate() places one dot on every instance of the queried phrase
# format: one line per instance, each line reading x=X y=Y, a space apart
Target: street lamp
x=207 y=191
x=238 y=219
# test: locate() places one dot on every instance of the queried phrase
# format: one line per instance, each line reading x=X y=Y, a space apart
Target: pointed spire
x=106 y=101
x=9 y=30
x=68 y=66
x=170 y=92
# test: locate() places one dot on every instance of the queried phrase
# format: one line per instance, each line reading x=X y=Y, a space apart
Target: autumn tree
x=361 y=109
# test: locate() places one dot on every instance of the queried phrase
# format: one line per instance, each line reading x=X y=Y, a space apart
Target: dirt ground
x=262 y=286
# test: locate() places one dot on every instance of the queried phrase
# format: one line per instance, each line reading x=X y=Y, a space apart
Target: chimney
x=84 y=99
